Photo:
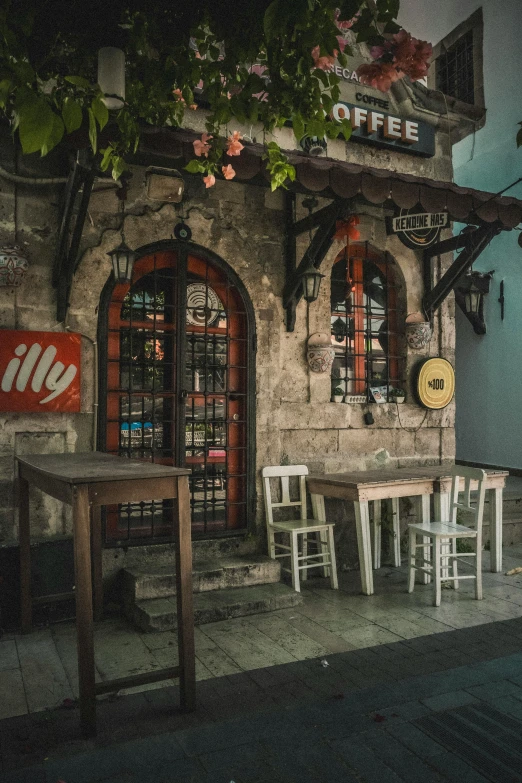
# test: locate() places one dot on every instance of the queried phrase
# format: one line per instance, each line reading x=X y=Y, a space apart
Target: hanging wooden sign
x=39 y=371
x=417 y=229
x=435 y=383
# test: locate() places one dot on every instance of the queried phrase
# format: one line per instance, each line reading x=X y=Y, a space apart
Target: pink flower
x=177 y=93
x=234 y=146
x=411 y=55
x=377 y=52
x=378 y=75
x=228 y=172
x=341 y=42
x=202 y=147
x=323 y=62
x=346 y=23
x=209 y=180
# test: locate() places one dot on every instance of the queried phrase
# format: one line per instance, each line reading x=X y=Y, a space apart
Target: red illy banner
x=39 y=371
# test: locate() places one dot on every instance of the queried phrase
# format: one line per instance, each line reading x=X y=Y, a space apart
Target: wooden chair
x=444 y=534
x=316 y=533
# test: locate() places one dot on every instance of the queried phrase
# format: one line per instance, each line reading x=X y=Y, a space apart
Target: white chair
x=439 y=536
x=316 y=533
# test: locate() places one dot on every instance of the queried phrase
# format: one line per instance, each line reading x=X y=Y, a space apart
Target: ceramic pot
x=320 y=353
x=13 y=265
x=338 y=397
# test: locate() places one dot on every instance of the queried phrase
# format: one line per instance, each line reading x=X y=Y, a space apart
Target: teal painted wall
x=488 y=368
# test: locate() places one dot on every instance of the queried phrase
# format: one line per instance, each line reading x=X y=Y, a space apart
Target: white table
x=363 y=487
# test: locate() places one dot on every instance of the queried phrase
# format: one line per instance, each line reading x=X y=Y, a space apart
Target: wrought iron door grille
x=177 y=391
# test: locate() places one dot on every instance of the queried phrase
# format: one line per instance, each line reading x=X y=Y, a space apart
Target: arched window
x=363 y=323
x=178 y=389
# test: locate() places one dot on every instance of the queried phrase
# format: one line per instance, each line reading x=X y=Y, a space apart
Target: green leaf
x=299 y=126
x=107 y=154
x=54 y=137
x=346 y=128
x=100 y=111
x=72 y=114
x=118 y=166
x=194 y=167
x=36 y=120
x=5 y=89
x=78 y=81
x=93 y=133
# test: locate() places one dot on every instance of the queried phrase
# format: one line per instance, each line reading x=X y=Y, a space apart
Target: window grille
x=363 y=325
x=455 y=72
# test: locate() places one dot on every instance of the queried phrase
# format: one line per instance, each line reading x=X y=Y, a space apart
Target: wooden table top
x=366 y=478
x=93 y=466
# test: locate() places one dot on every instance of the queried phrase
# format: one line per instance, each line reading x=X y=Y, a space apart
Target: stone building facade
x=241 y=223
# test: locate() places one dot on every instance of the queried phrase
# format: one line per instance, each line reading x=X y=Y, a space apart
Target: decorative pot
x=13 y=265
x=418 y=331
x=320 y=353
x=338 y=397
x=400 y=399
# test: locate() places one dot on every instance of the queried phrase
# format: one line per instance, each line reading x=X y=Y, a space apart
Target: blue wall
x=488 y=368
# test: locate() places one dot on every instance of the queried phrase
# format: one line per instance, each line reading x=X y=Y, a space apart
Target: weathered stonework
x=244 y=225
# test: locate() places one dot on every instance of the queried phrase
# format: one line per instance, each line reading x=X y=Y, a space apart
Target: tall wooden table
x=86 y=482
x=363 y=487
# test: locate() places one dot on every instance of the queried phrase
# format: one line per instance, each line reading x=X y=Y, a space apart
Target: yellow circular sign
x=435 y=383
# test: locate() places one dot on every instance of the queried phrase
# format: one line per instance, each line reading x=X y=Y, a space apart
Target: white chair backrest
x=284 y=472
x=461 y=473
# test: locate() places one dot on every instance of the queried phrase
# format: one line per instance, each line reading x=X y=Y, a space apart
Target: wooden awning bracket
x=473 y=243
x=69 y=235
x=324 y=220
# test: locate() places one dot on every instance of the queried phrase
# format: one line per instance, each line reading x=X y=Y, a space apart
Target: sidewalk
x=444 y=707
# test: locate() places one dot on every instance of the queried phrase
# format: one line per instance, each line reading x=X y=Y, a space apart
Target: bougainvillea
x=259 y=63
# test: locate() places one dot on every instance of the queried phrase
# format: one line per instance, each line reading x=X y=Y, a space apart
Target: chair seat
x=445 y=529
x=304 y=525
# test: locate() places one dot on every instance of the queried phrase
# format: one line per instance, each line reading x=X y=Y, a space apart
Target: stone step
x=159 y=614
x=141 y=584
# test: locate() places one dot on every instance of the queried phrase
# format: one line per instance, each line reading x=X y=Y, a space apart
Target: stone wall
x=243 y=224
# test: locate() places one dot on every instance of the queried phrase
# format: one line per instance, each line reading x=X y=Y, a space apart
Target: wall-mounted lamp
x=111 y=76
x=311 y=280
x=470 y=293
x=122 y=257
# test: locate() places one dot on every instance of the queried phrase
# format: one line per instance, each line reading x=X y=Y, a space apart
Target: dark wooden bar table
x=87 y=481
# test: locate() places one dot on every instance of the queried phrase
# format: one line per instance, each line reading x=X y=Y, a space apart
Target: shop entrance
x=177 y=382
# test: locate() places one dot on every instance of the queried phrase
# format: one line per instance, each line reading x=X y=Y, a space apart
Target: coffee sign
x=435 y=383
x=39 y=371
x=370 y=126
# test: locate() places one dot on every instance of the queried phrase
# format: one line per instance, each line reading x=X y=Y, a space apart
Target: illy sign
x=39 y=371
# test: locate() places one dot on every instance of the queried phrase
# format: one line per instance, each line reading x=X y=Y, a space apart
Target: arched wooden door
x=178 y=377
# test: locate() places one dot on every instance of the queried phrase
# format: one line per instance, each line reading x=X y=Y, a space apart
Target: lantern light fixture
x=471 y=290
x=122 y=257
x=111 y=76
x=311 y=281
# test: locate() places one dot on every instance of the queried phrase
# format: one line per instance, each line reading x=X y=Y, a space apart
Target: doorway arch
x=177 y=387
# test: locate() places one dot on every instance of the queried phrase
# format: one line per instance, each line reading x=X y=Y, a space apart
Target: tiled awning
x=338 y=179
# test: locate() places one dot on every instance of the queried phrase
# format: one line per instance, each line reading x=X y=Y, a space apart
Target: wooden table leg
x=495 y=529
x=184 y=597
x=83 y=591
x=362 y=521
x=26 y=613
x=97 y=570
